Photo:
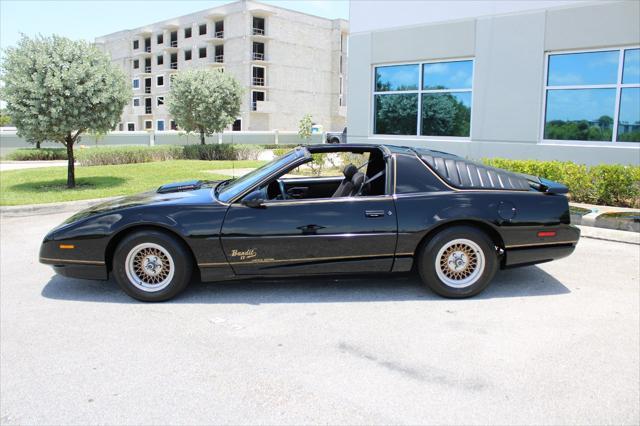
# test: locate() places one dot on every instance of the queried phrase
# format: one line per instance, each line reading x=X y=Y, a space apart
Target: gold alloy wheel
x=149 y=267
x=460 y=263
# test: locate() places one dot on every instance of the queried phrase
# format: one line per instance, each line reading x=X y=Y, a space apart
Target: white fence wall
x=9 y=141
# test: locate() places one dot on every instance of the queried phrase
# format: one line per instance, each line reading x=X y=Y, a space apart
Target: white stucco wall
x=509 y=50
x=371 y=15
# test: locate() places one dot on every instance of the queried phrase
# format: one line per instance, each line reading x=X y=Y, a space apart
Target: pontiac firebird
x=453 y=221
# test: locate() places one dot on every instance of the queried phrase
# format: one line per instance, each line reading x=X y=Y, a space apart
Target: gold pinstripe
x=88 y=262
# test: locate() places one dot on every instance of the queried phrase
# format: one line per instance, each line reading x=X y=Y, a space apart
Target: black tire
x=175 y=254
x=479 y=277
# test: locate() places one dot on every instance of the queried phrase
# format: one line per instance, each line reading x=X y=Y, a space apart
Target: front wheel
x=458 y=262
x=152 y=266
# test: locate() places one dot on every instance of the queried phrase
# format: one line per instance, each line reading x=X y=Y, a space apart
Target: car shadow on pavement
x=523 y=282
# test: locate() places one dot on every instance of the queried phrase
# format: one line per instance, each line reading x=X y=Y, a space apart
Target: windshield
x=228 y=190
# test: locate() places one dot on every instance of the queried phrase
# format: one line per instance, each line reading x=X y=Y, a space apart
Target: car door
x=293 y=237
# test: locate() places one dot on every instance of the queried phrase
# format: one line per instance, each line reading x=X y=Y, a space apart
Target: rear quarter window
x=413 y=176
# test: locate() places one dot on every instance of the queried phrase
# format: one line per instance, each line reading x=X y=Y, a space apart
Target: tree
x=305 y=127
x=57 y=89
x=443 y=114
x=204 y=101
x=396 y=114
x=5 y=119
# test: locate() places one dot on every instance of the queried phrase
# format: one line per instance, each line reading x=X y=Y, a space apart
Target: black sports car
x=456 y=222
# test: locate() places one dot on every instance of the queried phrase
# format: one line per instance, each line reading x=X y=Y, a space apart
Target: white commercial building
x=289 y=63
x=518 y=79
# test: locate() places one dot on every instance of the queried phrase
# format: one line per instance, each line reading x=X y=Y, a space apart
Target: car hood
x=174 y=193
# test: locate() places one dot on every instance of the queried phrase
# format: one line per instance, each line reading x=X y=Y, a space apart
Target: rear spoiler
x=545 y=185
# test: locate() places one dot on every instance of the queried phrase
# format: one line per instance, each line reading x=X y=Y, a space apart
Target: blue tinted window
x=448 y=75
x=629 y=117
x=583 y=68
x=136 y=84
x=396 y=114
x=446 y=114
x=582 y=114
x=631 y=70
x=399 y=77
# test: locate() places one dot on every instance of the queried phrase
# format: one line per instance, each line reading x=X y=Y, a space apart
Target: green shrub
x=128 y=155
x=614 y=185
x=210 y=152
x=278 y=152
x=33 y=154
x=247 y=152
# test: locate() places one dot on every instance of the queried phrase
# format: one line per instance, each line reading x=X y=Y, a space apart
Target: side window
x=413 y=176
x=331 y=164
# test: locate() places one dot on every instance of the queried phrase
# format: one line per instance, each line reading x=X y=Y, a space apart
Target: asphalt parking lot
x=554 y=344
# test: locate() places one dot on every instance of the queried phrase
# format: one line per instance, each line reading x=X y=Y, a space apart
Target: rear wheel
x=458 y=262
x=152 y=266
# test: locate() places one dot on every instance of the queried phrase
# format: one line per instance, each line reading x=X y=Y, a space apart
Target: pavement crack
x=424 y=374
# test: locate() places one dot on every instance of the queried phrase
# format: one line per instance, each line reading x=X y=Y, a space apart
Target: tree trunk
x=71 y=172
x=37 y=144
x=201 y=137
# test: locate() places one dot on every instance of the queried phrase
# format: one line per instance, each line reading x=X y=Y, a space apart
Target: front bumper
x=85 y=272
x=71 y=264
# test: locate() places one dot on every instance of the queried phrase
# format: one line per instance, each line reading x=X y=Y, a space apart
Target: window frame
x=420 y=91
x=133 y=85
x=145 y=125
x=158 y=101
x=618 y=86
x=184 y=54
x=158 y=121
x=133 y=102
x=160 y=76
x=134 y=126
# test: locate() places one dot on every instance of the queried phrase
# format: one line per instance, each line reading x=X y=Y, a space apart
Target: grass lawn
x=48 y=185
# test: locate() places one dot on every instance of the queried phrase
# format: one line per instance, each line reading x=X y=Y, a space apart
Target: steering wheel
x=283 y=191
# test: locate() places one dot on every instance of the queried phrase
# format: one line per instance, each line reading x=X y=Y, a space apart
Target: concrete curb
x=609 y=235
x=51 y=208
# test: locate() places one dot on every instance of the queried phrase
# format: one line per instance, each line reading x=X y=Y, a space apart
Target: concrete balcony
x=259 y=58
x=142 y=53
x=216 y=61
x=216 y=40
x=259 y=34
x=142 y=71
x=144 y=32
x=171 y=47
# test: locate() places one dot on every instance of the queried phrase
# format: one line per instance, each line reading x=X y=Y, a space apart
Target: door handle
x=374 y=213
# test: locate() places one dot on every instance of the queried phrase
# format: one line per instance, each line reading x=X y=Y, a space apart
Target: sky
x=87 y=19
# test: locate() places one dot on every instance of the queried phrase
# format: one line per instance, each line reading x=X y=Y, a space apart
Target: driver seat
x=346 y=187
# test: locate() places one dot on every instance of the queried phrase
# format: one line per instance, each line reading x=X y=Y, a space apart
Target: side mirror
x=254 y=203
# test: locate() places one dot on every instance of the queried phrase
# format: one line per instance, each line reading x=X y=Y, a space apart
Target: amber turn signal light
x=67 y=246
